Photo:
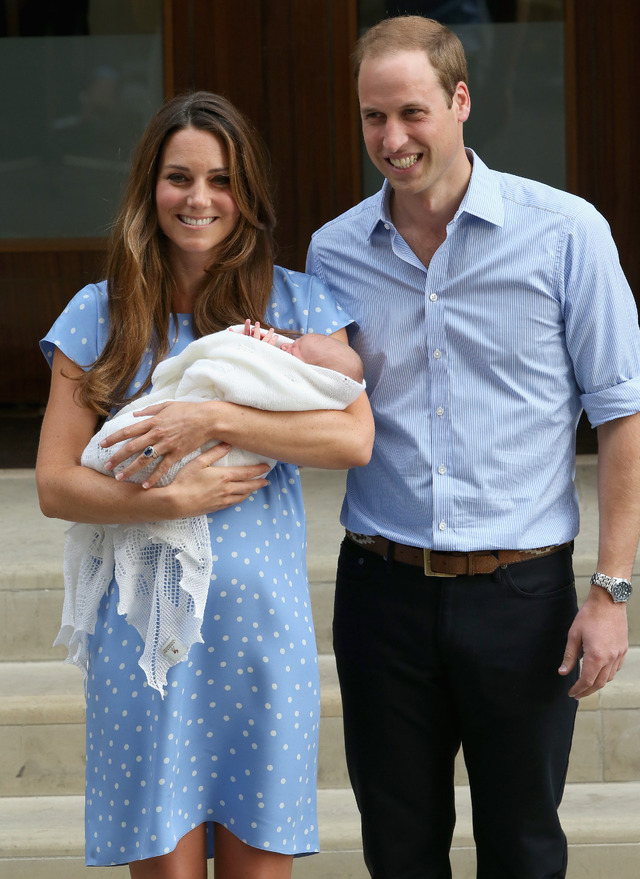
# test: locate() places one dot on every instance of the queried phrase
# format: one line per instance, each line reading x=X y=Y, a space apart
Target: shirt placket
x=440 y=415
x=438 y=422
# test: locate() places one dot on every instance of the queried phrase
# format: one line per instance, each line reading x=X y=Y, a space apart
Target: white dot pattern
x=235 y=739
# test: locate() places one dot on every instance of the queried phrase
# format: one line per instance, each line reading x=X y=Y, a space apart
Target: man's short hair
x=415 y=32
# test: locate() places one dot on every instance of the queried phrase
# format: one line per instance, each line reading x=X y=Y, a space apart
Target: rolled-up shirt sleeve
x=601 y=321
x=615 y=402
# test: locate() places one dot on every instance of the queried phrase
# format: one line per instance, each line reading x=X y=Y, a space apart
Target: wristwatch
x=620 y=590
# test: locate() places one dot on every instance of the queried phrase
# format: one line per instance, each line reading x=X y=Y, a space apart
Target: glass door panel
x=85 y=76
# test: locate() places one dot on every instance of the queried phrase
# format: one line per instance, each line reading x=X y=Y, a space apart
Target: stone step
x=43 y=746
x=42 y=837
x=31 y=585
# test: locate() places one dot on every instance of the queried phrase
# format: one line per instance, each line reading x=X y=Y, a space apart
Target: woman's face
x=196 y=209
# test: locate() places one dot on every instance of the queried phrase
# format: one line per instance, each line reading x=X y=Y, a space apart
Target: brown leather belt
x=449 y=564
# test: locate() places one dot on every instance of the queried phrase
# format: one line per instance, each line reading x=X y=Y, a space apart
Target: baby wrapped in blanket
x=163 y=568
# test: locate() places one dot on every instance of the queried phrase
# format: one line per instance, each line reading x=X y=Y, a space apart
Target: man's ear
x=462 y=101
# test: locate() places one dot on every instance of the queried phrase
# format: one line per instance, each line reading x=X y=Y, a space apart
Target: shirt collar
x=381 y=212
x=482 y=199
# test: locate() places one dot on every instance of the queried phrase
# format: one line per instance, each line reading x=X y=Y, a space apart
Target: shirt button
x=386 y=226
x=437 y=354
x=442 y=526
x=433 y=297
x=442 y=469
x=440 y=411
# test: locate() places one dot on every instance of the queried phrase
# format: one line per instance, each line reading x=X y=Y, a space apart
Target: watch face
x=621 y=591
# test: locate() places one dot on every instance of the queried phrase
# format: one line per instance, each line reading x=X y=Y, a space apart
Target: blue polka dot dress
x=235 y=739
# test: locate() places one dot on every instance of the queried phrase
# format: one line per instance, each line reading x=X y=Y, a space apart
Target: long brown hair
x=236 y=284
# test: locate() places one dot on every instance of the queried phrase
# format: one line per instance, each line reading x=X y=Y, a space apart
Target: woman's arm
x=328 y=438
x=331 y=438
x=67 y=490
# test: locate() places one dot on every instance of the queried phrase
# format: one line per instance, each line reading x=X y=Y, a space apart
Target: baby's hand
x=267 y=336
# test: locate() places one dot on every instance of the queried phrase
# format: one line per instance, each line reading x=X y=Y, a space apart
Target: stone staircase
x=42 y=715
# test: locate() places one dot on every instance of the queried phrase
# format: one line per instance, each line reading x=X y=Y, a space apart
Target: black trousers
x=427 y=664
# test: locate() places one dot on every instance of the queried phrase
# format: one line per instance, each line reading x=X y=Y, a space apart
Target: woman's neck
x=188 y=271
x=182 y=300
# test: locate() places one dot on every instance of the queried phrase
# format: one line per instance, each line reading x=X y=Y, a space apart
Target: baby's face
x=296 y=348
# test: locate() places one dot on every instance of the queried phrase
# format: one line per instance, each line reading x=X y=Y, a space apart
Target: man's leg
x=401 y=729
x=505 y=637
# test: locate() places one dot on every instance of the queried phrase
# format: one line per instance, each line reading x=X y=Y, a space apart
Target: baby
x=163 y=568
x=326 y=352
x=232 y=368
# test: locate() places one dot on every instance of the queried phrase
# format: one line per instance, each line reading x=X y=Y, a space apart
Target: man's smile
x=405 y=161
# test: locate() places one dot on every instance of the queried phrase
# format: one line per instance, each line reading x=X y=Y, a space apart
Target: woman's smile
x=196 y=221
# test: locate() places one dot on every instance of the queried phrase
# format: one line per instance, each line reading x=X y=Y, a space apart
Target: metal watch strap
x=618 y=588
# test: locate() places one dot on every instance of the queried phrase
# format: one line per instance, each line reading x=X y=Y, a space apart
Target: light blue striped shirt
x=479 y=367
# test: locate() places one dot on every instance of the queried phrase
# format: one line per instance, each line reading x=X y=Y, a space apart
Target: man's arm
x=600 y=628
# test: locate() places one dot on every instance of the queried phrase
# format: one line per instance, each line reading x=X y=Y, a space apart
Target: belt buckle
x=427 y=566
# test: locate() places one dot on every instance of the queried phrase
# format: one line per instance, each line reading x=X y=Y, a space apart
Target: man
x=489 y=311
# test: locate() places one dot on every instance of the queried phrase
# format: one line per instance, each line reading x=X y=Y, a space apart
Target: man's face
x=411 y=133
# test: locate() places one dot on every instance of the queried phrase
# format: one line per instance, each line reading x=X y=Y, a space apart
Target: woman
x=229 y=755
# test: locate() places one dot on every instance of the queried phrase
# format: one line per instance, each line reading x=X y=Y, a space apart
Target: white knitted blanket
x=163 y=568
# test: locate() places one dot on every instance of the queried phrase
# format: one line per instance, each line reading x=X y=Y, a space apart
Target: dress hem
x=210 y=849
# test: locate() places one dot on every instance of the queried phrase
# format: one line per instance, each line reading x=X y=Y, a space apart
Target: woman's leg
x=235 y=859
x=187 y=861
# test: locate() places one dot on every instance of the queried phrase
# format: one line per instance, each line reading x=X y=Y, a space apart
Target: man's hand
x=600 y=629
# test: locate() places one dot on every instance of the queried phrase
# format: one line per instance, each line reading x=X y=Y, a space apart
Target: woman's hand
x=67 y=490
x=172 y=429
x=200 y=488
